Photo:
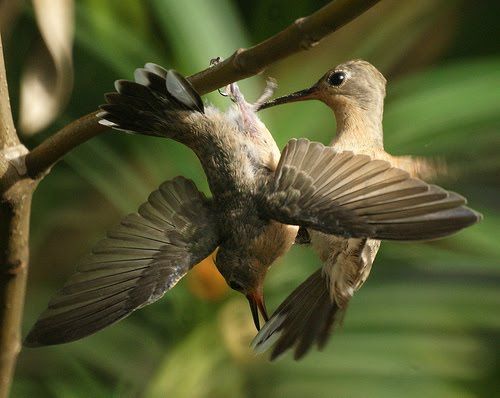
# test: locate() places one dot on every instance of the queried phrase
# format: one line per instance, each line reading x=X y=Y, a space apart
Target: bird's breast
x=346 y=262
x=274 y=240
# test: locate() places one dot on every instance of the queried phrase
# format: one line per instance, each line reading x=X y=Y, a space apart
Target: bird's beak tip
x=257 y=303
x=302 y=95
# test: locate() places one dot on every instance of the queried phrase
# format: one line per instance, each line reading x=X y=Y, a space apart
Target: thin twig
x=303 y=34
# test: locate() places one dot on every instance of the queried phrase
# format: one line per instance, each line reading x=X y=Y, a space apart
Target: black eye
x=336 y=78
x=236 y=286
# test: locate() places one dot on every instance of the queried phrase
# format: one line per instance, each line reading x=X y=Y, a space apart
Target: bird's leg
x=233 y=91
x=271 y=86
x=236 y=95
x=213 y=62
x=248 y=110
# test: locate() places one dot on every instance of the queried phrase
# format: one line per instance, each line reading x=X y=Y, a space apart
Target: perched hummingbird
x=259 y=200
x=355 y=91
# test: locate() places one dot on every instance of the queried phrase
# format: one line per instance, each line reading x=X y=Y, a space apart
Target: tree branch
x=15 y=203
x=14 y=234
x=41 y=158
x=303 y=34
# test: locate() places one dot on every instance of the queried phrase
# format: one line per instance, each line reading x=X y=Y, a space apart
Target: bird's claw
x=222 y=91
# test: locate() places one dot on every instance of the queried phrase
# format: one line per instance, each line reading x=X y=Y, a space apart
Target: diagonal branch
x=301 y=35
x=45 y=155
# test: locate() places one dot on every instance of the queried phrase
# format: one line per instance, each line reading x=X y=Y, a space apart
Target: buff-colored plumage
x=309 y=314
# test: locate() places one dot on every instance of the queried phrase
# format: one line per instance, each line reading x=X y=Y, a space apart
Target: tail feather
x=307 y=316
x=150 y=79
x=154 y=104
x=315 y=321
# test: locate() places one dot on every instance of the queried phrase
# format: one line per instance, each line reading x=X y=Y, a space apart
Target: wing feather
x=353 y=195
x=133 y=266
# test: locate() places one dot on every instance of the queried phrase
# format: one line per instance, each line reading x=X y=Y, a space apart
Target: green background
x=427 y=322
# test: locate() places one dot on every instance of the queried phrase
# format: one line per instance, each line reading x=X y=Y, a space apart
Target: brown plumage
x=252 y=217
x=133 y=266
x=355 y=92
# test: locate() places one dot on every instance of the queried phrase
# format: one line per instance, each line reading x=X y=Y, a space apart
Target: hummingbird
x=259 y=199
x=355 y=91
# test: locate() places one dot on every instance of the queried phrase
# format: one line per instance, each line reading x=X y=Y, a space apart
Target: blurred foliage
x=427 y=322
x=47 y=78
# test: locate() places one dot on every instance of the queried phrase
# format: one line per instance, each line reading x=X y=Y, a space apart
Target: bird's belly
x=346 y=262
x=273 y=241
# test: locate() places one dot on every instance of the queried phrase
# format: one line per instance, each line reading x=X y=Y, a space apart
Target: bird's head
x=356 y=82
x=244 y=274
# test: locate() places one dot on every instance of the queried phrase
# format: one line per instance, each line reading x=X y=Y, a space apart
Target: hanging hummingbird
x=355 y=91
x=259 y=200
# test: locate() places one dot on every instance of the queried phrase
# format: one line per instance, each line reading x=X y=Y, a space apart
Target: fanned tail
x=305 y=317
x=156 y=103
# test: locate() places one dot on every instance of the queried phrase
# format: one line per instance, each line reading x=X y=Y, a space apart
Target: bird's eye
x=236 y=286
x=336 y=78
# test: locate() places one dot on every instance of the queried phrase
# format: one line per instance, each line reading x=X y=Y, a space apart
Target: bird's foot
x=269 y=90
x=234 y=93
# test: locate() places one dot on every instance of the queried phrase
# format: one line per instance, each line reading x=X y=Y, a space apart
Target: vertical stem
x=14 y=234
x=15 y=206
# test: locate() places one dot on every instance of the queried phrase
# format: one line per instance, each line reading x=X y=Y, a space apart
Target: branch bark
x=15 y=202
x=14 y=233
x=20 y=172
x=301 y=35
x=41 y=158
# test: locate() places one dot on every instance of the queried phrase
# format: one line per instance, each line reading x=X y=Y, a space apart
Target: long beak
x=302 y=95
x=256 y=301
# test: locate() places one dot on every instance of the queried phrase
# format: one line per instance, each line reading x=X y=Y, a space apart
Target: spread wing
x=351 y=195
x=138 y=261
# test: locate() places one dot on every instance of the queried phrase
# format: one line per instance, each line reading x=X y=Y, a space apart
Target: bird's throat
x=358 y=129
